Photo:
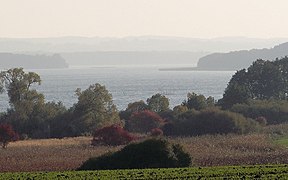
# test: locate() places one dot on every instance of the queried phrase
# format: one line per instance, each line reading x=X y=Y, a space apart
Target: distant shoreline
x=10 y=60
x=193 y=69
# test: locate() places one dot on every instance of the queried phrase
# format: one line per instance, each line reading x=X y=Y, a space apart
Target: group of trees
x=259 y=93
x=261 y=81
x=26 y=105
x=196 y=115
x=32 y=117
x=157 y=103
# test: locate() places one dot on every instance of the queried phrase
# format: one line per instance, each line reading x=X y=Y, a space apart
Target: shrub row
x=209 y=121
x=274 y=111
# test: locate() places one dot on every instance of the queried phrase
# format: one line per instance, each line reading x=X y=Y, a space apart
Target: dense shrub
x=63 y=126
x=156 y=132
x=276 y=131
x=152 y=153
x=112 y=135
x=7 y=134
x=167 y=115
x=180 y=109
x=131 y=108
x=144 y=121
x=209 y=121
x=261 y=120
x=275 y=111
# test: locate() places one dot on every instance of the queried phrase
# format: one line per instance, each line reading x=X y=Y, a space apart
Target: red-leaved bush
x=112 y=135
x=144 y=121
x=261 y=120
x=156 y=132
x=7 y=134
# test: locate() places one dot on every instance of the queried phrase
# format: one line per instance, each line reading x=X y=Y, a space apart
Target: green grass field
x=222 y=172
x=283 y=140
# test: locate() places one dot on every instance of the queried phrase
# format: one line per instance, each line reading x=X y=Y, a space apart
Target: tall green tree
x=18 y=83
x=136 y=106
x=94 y=109
x=158 y=103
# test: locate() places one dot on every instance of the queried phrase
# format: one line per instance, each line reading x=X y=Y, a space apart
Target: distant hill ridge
x=138 y=50
x=236 y=60
x=9 y=60
x=132 y=57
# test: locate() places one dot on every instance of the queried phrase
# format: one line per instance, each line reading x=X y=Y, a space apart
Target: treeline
x=253 y=98
x=8 y=60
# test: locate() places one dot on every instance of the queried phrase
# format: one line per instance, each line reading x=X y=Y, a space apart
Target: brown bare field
x=49 y=154
x=69 y=153
x=234 y=150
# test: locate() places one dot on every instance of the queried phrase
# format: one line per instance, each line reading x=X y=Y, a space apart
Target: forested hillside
x=9 y=60
x=236 y=60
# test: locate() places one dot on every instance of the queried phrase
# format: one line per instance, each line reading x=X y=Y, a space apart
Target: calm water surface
x=129 y=84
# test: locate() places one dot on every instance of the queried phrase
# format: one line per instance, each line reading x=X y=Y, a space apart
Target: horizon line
x=144 y=36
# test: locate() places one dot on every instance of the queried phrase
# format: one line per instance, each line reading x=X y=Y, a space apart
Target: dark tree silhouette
x=262 y=80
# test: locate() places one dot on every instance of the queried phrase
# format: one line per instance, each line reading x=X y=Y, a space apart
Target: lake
x=128 y=84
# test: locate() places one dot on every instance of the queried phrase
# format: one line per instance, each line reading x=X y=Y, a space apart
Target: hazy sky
x=118 y=18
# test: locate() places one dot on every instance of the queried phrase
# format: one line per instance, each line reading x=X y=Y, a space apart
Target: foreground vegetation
x=255 y=97
x=230 y=172
x=250 y=129
x=70 y=153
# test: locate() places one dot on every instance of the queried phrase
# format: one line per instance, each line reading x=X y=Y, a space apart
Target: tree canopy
x=158 y=103
x=262 y=80
x=198 y=102
x=28 y=112
x=18 y=83
x=94 y=109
